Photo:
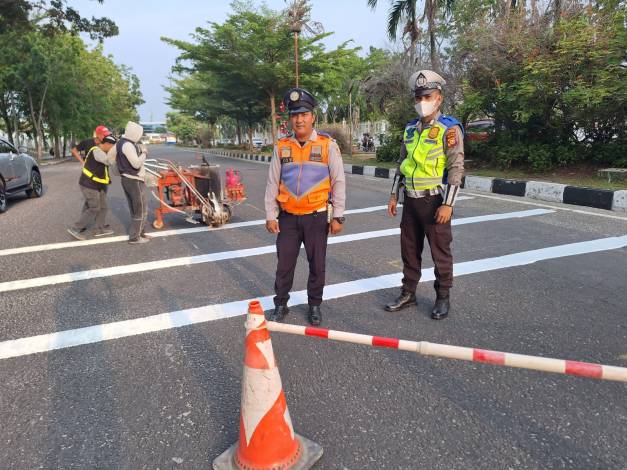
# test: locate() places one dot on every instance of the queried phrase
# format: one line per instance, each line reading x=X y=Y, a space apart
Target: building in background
x=155 y=132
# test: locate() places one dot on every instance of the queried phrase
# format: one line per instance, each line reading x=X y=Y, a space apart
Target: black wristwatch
x=340 y=219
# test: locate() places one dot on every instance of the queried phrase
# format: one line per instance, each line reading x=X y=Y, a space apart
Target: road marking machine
x=193 y=190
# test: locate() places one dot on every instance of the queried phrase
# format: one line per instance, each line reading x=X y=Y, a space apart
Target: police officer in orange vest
x=305 y=198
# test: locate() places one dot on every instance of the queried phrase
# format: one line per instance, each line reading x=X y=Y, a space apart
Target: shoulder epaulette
x=324 y=134
x=450 y=121
x=412 y=123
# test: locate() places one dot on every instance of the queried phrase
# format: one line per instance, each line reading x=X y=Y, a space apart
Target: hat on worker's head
x=425 y=82
x=109 y=139
x=102 y=130
x=298 y=100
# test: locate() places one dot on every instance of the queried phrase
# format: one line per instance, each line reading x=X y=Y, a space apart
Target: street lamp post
x=350 y=119
x=296 y=28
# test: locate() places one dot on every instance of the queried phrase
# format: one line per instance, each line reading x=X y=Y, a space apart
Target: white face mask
x=426 y=108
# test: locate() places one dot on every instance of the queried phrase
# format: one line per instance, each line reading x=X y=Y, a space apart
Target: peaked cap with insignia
x=425 y=82
x=299 y=100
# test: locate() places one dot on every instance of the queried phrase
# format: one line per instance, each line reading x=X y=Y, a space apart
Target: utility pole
x=350 y=118
x=296 y=54
x=298 y=19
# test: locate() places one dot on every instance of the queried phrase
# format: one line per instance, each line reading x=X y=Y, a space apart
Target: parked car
x=257 y=143
x=18 y=172
x=479 y=131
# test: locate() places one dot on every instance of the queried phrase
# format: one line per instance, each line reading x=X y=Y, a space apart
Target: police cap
x=298 y=100
x=425 y=82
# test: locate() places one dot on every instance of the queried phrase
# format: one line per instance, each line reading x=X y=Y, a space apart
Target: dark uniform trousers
x=417 y=222
x=312 y=230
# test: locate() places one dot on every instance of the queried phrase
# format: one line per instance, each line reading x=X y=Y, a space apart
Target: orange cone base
x=309 y=455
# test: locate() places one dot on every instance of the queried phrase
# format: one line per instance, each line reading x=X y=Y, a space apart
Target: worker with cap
x=130 y=159
x=86 y=145
x=429 y=177
x=93 y=182
x=304 y=202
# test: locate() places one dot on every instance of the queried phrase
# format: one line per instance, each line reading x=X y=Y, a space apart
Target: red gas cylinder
x=234 y=186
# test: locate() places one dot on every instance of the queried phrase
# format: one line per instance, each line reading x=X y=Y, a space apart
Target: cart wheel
x=157 y=224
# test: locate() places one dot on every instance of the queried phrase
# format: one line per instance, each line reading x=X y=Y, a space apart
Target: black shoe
x=315 y=315
x=406 y=298
x=441 y=308
x=279 y=313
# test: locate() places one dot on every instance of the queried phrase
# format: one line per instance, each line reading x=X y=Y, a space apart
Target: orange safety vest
x=305 y=183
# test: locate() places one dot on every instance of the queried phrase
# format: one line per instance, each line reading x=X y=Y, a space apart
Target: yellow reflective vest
x=424 y=167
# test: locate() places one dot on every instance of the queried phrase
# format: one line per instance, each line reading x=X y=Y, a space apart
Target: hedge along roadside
x=539 y=190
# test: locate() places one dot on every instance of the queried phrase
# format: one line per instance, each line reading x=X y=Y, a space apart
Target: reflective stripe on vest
x=425 y=163
x=305 y=183
x=90 y=175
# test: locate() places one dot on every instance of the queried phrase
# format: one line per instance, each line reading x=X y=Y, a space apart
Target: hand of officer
x=272 y=226
x=443 y=214
x=392 y=206
x=335 y=227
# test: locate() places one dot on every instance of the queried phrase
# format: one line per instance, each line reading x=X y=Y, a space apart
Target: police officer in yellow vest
x=93 y=182
x=429 y=175
x=305 y=198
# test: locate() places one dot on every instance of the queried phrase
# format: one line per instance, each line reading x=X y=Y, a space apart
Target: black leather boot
x=315 y=315
x=279 y=313
x=441 y=307
x=405 y=299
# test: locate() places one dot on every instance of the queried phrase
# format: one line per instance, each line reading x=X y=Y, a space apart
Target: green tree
x=51 y=17
x=185 y=127
x=246 y=63
x=403 y=15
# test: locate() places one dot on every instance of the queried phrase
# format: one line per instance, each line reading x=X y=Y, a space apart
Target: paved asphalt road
x=170 y=399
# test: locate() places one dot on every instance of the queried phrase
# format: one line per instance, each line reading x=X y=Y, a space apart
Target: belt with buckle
x=415 y=194
x=322 y=209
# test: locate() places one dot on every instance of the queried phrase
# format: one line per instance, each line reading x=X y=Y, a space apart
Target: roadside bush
x=477 y=151
x=390 y=150
x=540 y=157
x=339 y=134
x=613 y=154
x=565 y=155
x=505 y=153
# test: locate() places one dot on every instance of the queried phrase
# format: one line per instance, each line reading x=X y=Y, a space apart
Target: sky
x=143 y=22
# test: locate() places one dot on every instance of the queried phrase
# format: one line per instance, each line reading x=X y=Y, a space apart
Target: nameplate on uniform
x=316 y=153
x=285 y=153
x=430 y=141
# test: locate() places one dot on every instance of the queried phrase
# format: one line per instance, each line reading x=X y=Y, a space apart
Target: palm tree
x=298 y=15
x=405 y=10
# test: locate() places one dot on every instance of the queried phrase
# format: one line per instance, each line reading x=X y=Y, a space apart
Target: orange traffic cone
x=266 y=437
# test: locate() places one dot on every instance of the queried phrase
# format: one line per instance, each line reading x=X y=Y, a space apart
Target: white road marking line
x=230 y=255
x=526 y=201
x=165 y=233
x=167 y=321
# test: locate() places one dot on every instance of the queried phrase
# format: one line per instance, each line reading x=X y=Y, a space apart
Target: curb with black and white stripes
x=552 y=192
x=540 y=190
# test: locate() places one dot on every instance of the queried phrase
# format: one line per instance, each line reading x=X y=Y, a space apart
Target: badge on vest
x=451 y=138
x=316 y=153
x=286 y=155
x=434 y=132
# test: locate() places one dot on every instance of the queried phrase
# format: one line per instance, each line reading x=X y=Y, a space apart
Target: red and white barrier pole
x=545 y=364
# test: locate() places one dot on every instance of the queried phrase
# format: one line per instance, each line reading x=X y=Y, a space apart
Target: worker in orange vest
x=305 y=199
